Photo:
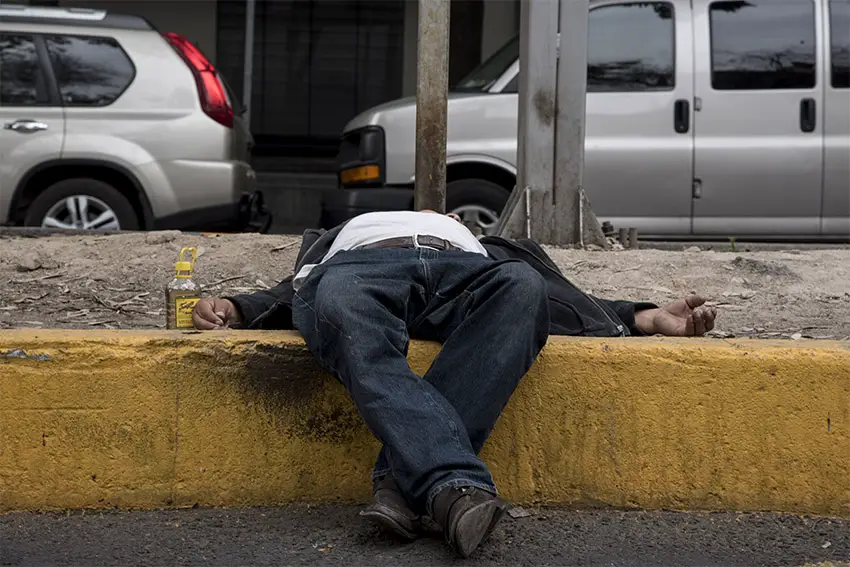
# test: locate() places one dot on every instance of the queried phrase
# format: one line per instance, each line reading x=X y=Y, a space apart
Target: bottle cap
x=183 y=266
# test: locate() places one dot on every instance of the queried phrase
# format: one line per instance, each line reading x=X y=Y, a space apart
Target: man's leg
x=500 y=322
x=353 y=313
x=493 y=321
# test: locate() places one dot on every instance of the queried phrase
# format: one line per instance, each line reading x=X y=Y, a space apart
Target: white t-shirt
x=369 y=228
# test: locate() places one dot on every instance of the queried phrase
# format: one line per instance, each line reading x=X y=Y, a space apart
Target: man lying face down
x=362 y=290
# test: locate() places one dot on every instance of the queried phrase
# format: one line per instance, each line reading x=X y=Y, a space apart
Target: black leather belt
x=418 y=241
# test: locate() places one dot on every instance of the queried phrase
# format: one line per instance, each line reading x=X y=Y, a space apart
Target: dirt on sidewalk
x=117 y=282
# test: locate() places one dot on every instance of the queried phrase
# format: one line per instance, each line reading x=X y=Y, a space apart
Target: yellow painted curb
x=155 y=419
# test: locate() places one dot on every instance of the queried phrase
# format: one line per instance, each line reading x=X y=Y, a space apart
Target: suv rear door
x=33 y=121
x=759 y=131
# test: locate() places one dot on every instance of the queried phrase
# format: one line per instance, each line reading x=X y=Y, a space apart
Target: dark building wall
x=317 y=63
x=466 y=20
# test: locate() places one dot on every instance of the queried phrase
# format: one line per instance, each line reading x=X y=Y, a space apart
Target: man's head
x=450 y=215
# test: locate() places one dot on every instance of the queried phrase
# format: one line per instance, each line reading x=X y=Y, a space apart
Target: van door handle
x=682 y=116
x=25 y=126
x=808 y=115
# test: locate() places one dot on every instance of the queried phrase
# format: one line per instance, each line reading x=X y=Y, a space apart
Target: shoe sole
x=386 y=518
x=477 y=524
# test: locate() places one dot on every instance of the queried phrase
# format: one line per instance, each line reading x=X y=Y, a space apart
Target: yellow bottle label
x=185 y=306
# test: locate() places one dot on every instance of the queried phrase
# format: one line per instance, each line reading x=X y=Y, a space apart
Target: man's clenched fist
x=212 y=313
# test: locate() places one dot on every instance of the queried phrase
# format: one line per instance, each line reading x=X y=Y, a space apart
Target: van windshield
x=481 y=79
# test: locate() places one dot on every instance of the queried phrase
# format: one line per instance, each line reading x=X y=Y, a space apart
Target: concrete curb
x=157 y=419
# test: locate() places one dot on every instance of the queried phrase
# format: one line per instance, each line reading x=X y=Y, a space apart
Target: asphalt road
x=334 y=535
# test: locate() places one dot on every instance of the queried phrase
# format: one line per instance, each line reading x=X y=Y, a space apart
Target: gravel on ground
x=118 y=281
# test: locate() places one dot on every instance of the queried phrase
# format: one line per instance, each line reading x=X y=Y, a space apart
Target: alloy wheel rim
x=478 y=216
x=81 y=212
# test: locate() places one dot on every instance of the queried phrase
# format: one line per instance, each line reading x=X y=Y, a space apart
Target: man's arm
x=252 y=305
x=690 y=316
x=627 y=312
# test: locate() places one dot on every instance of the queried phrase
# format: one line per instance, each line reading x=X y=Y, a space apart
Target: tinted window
x=91 y=71
x=631 y=47
x=482 y=77
x=513 y=86
x=839 y=23
x=763 y=44
x=21 y=81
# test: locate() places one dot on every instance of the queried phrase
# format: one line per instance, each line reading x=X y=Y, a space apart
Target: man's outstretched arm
x=627 y=312
x=213 y=313
x=687 y=317
x=252 y=305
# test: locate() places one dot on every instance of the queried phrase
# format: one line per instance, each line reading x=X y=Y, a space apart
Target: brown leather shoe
x=391 y=511
x=468 y=516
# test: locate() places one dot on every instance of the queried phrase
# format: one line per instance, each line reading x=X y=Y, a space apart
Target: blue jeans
x=359 y=310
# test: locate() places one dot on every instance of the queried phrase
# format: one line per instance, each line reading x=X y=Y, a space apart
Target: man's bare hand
x=212 y=313
x=688 y=317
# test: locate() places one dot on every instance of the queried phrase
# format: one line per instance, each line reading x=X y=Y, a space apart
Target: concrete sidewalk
x=334 y=535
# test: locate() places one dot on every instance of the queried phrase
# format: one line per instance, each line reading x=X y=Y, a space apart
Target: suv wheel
x=82 y=204
x=477 y=202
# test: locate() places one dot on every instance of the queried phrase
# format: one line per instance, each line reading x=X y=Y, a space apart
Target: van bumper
x=344 y=204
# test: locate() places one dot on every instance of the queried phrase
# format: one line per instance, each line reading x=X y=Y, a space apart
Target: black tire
x=479 y=192
x=124 y=212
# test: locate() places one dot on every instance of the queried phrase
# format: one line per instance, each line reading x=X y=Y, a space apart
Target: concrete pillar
x=432 y=78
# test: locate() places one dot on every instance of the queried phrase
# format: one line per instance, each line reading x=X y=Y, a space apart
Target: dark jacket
x=572 y=312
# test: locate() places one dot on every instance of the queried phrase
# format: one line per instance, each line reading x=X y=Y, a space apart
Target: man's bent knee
x=523 y=280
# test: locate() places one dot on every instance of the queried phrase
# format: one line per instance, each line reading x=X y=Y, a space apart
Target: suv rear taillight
x=210 y=88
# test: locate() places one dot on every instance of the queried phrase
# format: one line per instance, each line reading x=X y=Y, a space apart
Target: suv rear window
x=91 y=71
x=21 y=80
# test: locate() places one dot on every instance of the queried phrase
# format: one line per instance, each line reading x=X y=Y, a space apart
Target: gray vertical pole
x=570 y=134
x=248 y=77
x=432 y=83
x=536 y=124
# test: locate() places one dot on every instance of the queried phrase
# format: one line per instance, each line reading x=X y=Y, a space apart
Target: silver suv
x=704 y=118
x=109 y=124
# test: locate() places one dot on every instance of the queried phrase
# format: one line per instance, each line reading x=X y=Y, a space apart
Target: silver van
x=704 y=118
x=107 y=123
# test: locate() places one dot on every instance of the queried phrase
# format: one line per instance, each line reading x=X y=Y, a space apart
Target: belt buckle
x=416 y=244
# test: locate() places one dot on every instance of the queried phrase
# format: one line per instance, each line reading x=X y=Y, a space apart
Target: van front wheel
x=477 y=202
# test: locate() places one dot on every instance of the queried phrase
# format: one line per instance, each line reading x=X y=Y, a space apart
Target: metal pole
x=432 y=85
x=532 y=197
x=570 y=129
x=248 y=77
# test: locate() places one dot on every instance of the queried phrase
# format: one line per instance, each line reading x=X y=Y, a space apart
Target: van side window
x=631 y=47
x=91 y=71
x=21 y=78
x=839 y=25
x=762 y=45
